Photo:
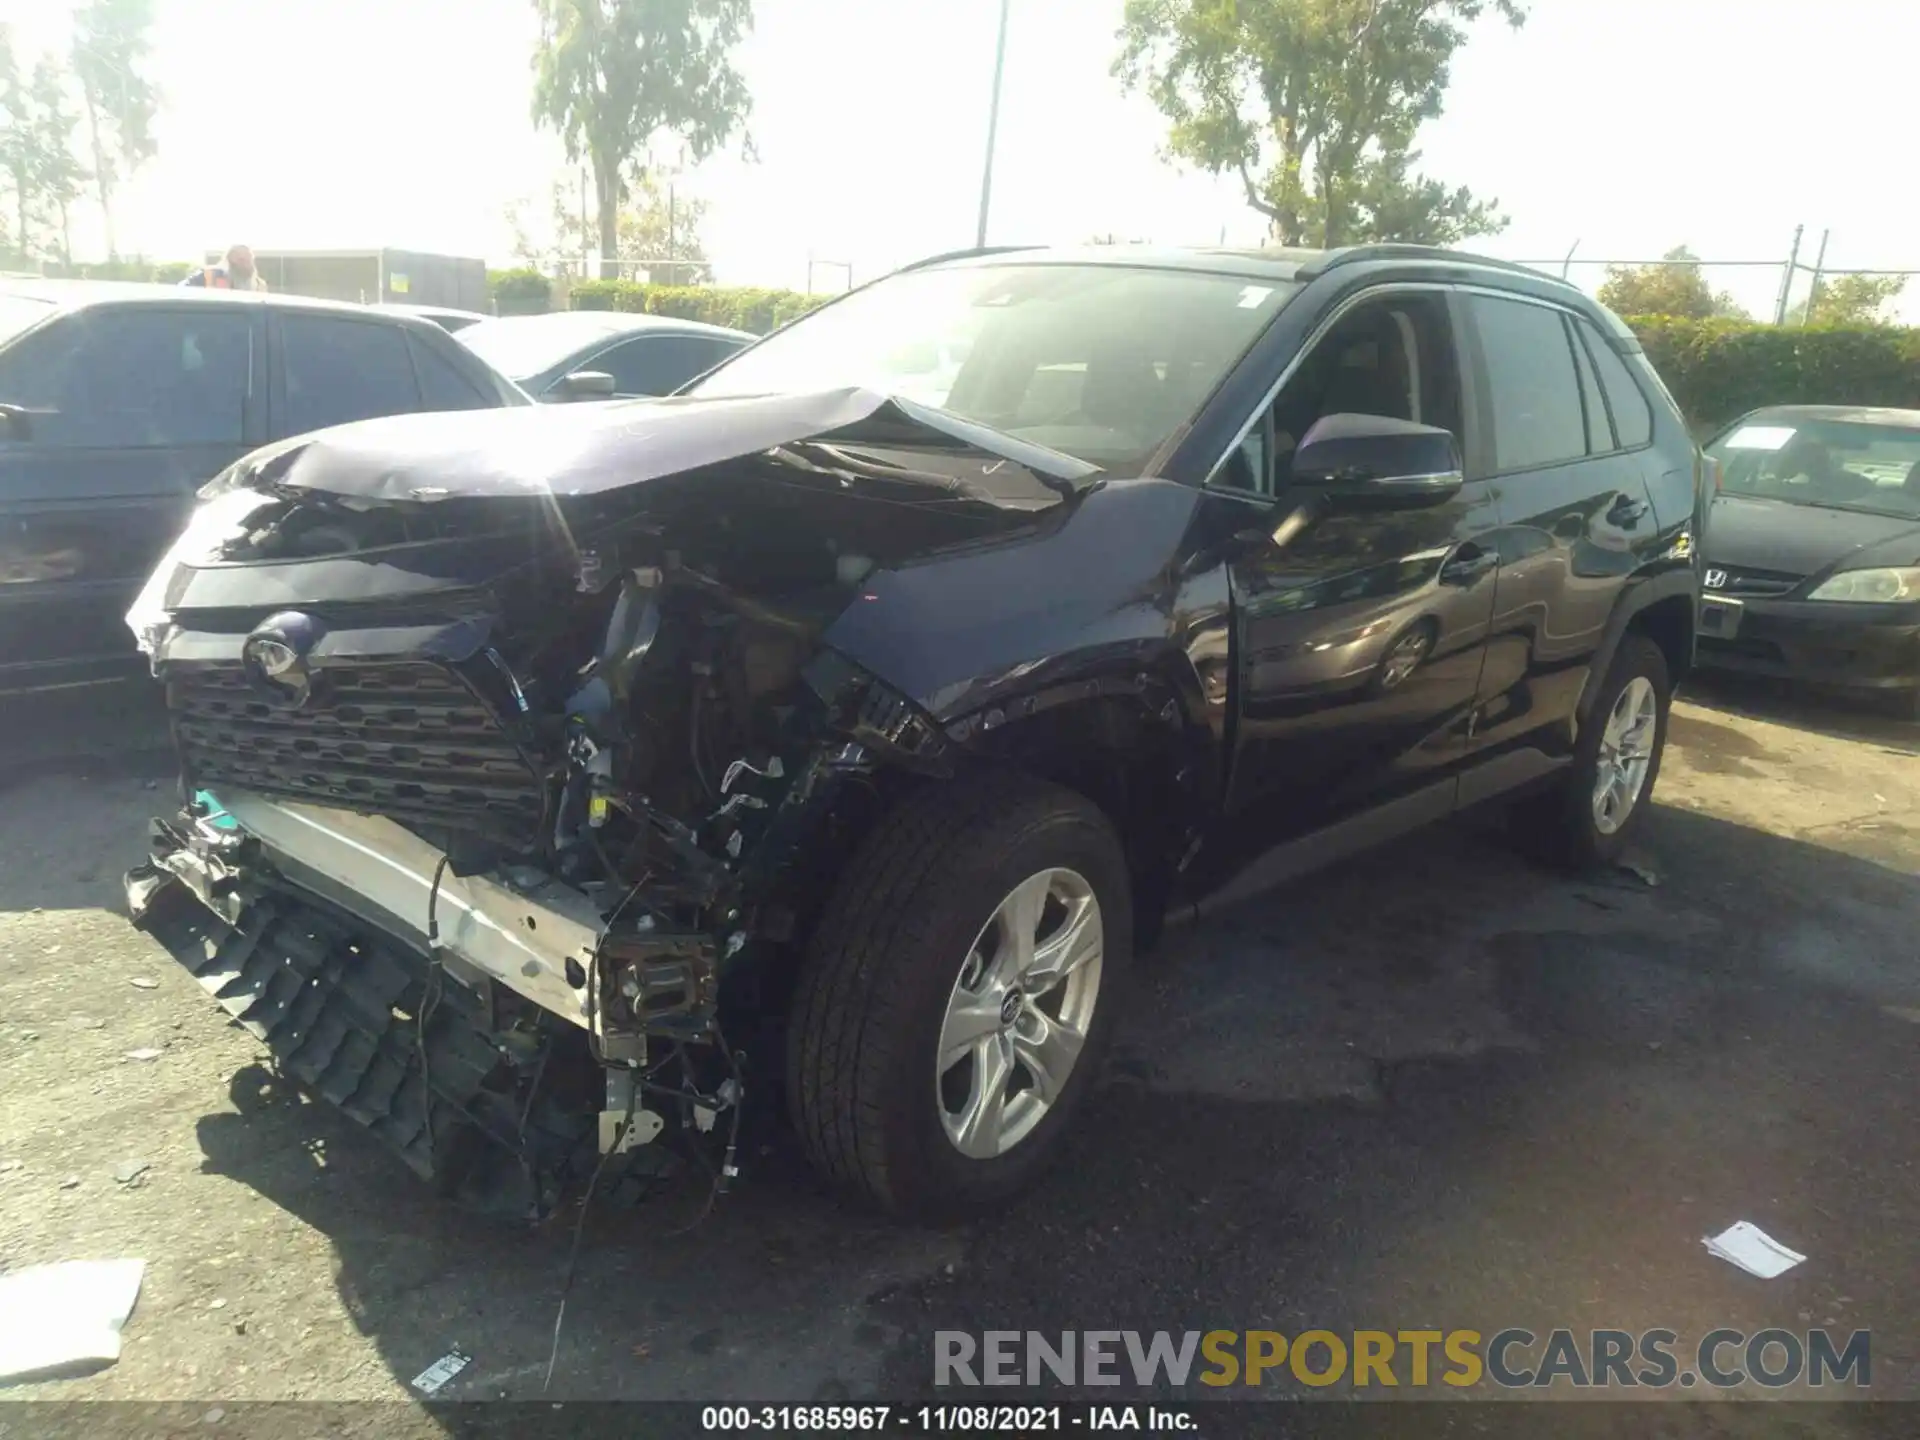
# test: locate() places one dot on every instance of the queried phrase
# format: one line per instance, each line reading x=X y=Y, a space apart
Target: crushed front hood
x=567 y=450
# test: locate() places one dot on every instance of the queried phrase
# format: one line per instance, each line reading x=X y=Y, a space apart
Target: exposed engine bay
x=508 y=782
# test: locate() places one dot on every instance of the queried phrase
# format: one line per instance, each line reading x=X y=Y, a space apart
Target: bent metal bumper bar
x=309 y=927
x=537 y=941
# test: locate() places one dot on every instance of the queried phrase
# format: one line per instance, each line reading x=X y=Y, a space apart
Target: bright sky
x=1628 y=126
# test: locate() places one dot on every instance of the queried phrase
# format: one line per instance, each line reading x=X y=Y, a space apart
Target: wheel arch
x=1663 y=608
x=1136 y=756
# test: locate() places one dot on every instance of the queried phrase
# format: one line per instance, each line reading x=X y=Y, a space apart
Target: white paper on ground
x=440 y=1372
x=68 y=1314
x=1753 y=1250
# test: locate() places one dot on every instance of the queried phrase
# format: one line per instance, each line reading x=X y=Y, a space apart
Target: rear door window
x=1632 y=415
x=134 y=378
x=1535 y=390
x=442 y=386
x=337 y=370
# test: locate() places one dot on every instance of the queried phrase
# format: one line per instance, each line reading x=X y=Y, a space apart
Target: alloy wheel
x=1019 y=1013
x=1409 y=652
x=1626 y=754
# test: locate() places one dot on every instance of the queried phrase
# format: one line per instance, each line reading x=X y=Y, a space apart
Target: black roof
x=1266 y=262
x=1281 y=265
x=84 y=294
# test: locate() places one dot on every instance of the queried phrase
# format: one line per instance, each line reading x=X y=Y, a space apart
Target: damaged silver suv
x=561 y=783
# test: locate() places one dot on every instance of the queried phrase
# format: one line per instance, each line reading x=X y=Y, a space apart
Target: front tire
x=1590 y=817
x=959 y=995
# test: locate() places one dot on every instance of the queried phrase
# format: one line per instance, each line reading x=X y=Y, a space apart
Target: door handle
x=1628 y=511
x=1467 y=565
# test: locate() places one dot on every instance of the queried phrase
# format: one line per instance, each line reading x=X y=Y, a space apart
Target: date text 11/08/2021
x=946 y=1419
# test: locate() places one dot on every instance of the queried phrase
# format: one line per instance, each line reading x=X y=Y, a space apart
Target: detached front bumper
x=310 y=927
x=1868 y=647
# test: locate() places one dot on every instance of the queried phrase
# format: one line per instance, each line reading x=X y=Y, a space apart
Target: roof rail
x=1359 y=254
x=971 y=252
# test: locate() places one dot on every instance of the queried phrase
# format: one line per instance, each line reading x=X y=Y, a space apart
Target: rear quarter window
x=1632 y=415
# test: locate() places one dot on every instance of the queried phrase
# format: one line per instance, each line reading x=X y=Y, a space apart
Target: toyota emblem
x=275 y=657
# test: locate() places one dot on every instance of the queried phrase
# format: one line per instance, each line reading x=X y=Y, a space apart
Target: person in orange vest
x=237 y=274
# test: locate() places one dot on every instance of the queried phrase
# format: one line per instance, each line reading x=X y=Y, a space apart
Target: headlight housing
x=1888 y=585
x=214 y=522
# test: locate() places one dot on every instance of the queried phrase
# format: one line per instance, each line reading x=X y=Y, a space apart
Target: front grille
x=401 y=739
x=1756 y=582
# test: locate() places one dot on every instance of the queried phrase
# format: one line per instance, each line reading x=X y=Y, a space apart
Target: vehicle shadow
x=115 y=728
x=760 y=1293
x=1436 y=1087
x=1841 y=717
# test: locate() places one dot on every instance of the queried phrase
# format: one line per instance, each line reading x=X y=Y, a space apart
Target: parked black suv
x=608 y=766
x=118 y=401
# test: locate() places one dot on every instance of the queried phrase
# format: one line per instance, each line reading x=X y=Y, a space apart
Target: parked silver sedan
x=601 y=354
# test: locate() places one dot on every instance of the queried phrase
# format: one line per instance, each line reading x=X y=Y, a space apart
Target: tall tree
x=1315 y=105
x=1850 y=300
x=37 y=167
x=610 y=75
x=16 y=142
x=110 y=40
x=1676 y=286
x=60 y=177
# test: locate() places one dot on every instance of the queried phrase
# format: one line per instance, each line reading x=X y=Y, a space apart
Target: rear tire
x=915 y=959
x=1573 y=824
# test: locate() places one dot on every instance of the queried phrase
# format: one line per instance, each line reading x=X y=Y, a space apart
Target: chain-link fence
x=1771 y=291
x=645 y=270
x=824 y=277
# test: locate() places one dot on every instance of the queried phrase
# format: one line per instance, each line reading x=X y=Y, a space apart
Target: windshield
x=18 y=313
x=1839 y=463
x=1101 y=362
x=522 y=346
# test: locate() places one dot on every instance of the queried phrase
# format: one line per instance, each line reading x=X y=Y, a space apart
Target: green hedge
x=519 y=292
x=738 y=308
x=1720 y=369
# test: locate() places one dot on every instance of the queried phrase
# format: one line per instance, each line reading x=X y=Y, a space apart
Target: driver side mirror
x=1371 y=462
x=583 y=385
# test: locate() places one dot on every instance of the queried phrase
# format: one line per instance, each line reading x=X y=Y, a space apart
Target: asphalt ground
x=1438 y=1087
